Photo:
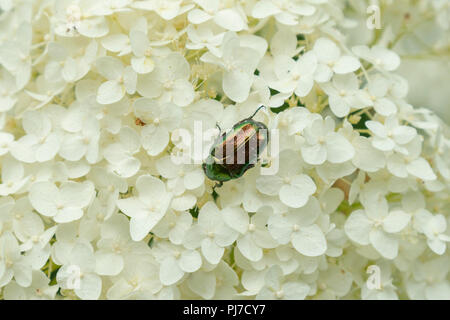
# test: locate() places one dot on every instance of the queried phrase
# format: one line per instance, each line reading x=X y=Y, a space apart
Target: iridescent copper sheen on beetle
x=237 y=150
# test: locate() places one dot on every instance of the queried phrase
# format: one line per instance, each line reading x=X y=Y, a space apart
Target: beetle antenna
x=257 y=111
x=214 y=193
x=218 y=127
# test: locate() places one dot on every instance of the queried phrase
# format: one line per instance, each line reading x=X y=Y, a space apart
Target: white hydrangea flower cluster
x=92 y=206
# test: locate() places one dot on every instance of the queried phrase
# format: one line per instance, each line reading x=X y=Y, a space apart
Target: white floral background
x=92 y=94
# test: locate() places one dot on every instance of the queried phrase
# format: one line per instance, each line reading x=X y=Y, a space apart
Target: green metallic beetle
x=236 y=151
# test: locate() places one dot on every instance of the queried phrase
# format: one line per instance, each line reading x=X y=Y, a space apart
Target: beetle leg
x=218 y=127
x=218 y=185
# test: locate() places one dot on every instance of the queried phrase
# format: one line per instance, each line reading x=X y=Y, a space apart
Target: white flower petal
x=357 y=227
x=396 y=221
x=269 y=184
x=190 y=261
x=230 y=19
x=108 y=264
x=110 y=92
x=43 y=197
x=249 y=249
x=310 y=241
x=346 y=64
x=236 y=218
x=236 y=85
x=90 y=287
x=169 y=271
x=211 y=251
x=421 y=169
x=384 y=243
x=339 y=149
